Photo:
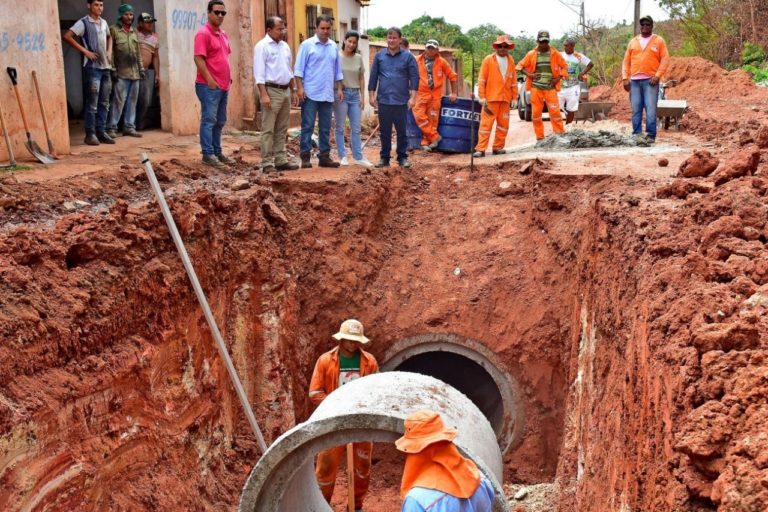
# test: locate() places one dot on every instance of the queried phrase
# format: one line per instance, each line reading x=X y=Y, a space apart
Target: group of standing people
x=327 y=82
x=120 y=70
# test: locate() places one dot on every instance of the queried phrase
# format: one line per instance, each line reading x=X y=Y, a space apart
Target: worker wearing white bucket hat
x=343 y=364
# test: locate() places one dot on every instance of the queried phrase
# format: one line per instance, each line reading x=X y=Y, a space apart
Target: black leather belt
x=270 y=84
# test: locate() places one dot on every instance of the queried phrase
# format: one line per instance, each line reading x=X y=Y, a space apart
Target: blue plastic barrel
x=455 y=123
x=412 y=131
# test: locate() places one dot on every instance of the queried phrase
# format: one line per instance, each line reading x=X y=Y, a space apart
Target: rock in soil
x=701 y=163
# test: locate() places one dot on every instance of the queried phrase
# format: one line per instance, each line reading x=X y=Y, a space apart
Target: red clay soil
x=635 y=326
x=722 y=104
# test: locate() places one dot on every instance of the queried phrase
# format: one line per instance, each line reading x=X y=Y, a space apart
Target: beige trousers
x=274 y=127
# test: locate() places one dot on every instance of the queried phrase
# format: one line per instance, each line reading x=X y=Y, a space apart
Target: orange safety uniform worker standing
x=433 y=69
x=497 y=88
x=544 y=68
x=333 y=369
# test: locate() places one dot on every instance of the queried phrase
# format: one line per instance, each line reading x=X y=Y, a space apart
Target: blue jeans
x=320 y=110
x=349 y=106
x=124 y=102
x=98 y=85
x=393 y=115
x=213 y=103
x=644 y=95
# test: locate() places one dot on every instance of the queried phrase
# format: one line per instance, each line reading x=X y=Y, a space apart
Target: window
x=312 y=17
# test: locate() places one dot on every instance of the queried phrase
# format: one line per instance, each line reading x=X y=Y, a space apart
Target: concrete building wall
x=178 y=21
x=348 y=9
x=32 y=42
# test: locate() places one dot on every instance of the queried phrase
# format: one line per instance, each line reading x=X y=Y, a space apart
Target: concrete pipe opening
x=371 y=408
x=470 y=367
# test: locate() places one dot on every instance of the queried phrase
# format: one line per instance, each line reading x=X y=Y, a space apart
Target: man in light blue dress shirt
x=319 y=80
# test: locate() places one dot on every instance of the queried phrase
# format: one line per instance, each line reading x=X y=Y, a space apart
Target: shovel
x=12 y=163
x=33 y=148
x=45 y=117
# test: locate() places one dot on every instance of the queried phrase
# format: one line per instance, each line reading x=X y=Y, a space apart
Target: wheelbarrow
x=671 y=111
x=593 y=110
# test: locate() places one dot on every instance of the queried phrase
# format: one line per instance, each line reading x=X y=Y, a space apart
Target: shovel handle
x=42 y=110
x=12 y=73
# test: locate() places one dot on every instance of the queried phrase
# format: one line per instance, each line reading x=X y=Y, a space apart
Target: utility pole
x=637 y=17
x=578 y=8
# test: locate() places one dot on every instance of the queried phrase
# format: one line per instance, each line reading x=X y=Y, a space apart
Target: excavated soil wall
x=624 y=320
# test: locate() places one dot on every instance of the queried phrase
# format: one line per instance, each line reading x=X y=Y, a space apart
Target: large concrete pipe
x=371 y=408
x=473 y=369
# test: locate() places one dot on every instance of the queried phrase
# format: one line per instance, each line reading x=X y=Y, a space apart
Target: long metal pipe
x=203 y=301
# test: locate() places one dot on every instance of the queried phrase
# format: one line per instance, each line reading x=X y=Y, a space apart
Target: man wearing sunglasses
x=645 y=62
x=213 y=82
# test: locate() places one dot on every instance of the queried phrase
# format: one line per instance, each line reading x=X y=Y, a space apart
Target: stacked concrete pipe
x=368 y=409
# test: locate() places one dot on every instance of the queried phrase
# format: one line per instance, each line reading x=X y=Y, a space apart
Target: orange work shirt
x=325 y=378
x=556 y=61
x=494 y=87
x=440 y=70
x=653 y=61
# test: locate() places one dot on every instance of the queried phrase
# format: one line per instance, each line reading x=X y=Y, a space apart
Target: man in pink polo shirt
x=213 y=81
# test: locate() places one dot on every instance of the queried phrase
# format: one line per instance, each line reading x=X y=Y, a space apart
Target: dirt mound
x=720 y=103
x=583 y=139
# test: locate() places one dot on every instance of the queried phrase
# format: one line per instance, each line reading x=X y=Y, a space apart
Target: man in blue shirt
x=318 y=79
x=395 y=73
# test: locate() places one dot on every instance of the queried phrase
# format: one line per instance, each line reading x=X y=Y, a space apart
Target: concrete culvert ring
x=371 y=408
x=473 y=369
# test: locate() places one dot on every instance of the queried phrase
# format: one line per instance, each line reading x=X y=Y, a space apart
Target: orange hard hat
x=423 y=428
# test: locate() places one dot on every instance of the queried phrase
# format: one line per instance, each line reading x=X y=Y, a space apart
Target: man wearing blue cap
x=128 y=69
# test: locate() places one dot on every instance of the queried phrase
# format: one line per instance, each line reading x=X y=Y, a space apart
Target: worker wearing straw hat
x=339 y=366
x=436 y=477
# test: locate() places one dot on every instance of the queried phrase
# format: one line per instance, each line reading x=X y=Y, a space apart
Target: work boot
x=211 y=160
x=287 y=166
x=111 y=133
x=305 y=163
x=132 y=133
x=425 y=147
x=268 y=169
x=325 y=160
x=434 y=143
x=404 y=163
x=478 y=154
x=224 y=159
x=381 y=163
x=501 y=151
x=105 y=138
x=91 y=140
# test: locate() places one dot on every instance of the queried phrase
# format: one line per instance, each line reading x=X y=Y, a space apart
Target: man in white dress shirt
x=273 y=71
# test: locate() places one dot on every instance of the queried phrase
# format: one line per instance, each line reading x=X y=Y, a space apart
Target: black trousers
x=393 y=115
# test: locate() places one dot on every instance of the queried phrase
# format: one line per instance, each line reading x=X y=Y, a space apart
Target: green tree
x=377 y=33
x=426 y=27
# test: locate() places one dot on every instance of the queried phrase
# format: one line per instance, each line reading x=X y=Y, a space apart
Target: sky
x=512 y=16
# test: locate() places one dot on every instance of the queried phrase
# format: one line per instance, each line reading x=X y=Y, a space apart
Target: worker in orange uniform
x=645 y=62
x=436 y=478
x=345 y=363
x=433 y=70
x=497 y=88
x=544 y=68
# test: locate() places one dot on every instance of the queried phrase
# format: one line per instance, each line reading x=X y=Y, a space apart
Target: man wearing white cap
x=339 y=366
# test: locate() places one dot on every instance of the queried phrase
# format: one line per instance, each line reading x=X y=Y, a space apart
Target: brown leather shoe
x=305 y=163
x=326 y=161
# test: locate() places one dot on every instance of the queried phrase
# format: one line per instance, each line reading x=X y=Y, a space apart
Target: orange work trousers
x=538 y=99
x=426 y=112
x=500 y=114
x=328 y=464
